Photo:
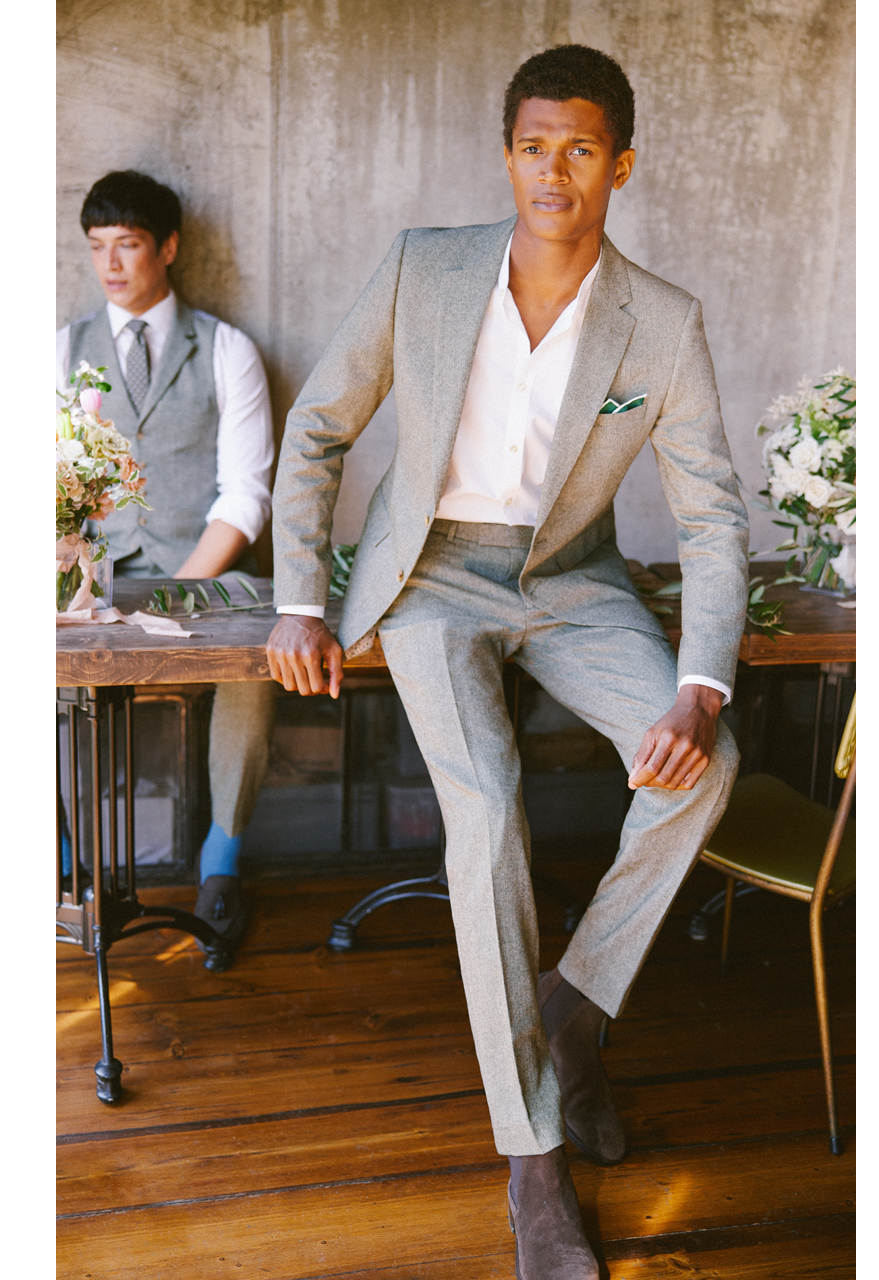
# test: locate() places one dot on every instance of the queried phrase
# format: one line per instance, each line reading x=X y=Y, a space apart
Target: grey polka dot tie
x=137 y=370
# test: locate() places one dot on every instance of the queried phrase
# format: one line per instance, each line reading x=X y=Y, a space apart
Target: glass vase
x=819 y=560
x=67 y=584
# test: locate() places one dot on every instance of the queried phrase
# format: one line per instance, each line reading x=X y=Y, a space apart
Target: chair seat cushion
x=772 y=831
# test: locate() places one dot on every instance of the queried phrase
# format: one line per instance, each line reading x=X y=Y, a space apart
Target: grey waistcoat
x=174 y=441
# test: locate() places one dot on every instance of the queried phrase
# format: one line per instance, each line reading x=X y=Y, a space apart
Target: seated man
x=190 y=394
x=531 y=361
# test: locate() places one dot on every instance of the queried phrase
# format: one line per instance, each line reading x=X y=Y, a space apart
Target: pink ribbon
x=69 y=550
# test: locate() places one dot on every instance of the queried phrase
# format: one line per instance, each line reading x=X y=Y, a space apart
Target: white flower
x=777 y=488
x=806 y=454
x=69 y=450
x=796 y=480
x=817 y=491
x=845 y=520
x=833 y=450
x=84 y=367
x=847 y=437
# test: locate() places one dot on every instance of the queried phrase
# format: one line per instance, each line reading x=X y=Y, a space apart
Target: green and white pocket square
x=613 y=406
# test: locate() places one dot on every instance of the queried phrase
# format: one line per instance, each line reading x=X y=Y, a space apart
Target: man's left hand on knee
x=676 y=751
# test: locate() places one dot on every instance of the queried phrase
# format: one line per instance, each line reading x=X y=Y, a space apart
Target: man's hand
x=297 y=650
x=677 y=750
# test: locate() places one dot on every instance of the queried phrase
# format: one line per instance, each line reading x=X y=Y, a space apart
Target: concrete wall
x=303 y=134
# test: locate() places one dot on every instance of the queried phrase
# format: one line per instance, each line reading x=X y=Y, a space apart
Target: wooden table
x=97 y=668
x=231 y=646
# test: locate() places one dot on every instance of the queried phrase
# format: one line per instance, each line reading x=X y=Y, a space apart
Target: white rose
x=817 y=491
x=796 y=480
x=847 y=437
x=69 y=450
x=806 y=454
x=845 y=520
x=777 y=488
x=833 y=450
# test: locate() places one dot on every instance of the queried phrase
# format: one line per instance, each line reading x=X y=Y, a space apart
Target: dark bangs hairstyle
x=135 y=200
x=574 y=71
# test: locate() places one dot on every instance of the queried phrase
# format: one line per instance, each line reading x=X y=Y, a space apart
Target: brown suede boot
x=550 y=1241
x=572 y=1022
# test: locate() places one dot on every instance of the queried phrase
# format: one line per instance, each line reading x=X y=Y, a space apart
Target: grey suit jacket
x=416 y=326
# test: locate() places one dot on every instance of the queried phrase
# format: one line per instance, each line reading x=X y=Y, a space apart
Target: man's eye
x=532 y=149
x=582 y=151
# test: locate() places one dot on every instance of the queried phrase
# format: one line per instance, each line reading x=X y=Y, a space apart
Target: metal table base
x=96 y=904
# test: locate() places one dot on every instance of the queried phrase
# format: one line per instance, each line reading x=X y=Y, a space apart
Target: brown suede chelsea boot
x=550 y=1241
x=572 y=1021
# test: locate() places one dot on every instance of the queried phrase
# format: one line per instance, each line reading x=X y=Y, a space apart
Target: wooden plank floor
x=315 y=1115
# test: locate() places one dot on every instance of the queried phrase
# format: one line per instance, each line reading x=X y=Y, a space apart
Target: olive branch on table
x=161 y=601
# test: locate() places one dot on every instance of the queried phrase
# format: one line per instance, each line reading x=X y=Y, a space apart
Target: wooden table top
x=231 y=646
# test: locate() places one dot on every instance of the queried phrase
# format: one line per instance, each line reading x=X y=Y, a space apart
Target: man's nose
x=554 y=169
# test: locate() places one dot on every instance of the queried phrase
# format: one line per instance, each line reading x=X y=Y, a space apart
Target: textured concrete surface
x=303 y=134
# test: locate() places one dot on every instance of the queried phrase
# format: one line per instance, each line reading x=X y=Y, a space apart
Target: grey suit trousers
x=242 y=721
x=445 y=639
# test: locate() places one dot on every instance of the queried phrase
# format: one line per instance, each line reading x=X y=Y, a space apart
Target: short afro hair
x=135 y=200
x=574 y=71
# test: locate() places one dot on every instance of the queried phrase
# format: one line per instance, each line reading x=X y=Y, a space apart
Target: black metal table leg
x=97 y=910
x=109 y=1069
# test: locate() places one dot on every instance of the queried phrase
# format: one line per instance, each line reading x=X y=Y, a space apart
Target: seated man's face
x=132 y=271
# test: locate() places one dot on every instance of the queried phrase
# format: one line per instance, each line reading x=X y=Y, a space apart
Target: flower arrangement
x=810 y=459
x=94 y=475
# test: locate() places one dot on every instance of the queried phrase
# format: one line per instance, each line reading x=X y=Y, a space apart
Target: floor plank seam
x=231 y=1122
x=696 y=1239
x=410 y=1176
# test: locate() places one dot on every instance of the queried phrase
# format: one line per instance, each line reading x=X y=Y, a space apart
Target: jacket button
x=400 y=576
x=142 y=520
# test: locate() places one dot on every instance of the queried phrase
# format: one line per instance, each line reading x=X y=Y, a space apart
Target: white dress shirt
x=245 y=443
x=508 y=421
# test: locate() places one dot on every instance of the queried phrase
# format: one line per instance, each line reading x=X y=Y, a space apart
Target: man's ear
x=508 y=158
x=623 y=168
x=168 y=251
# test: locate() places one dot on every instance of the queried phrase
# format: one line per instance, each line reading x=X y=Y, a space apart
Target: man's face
x=132 y=271
x=563 y=168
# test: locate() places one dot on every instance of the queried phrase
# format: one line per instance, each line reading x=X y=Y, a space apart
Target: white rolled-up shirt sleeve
x=245 y=443
x=711 y=684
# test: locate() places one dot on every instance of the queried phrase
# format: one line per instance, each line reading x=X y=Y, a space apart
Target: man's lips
x=552 y=204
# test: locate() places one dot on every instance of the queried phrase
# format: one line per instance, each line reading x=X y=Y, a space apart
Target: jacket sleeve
x=347 y=385
x=697 y=475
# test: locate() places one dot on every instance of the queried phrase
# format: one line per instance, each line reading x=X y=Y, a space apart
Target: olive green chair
x=775 y=838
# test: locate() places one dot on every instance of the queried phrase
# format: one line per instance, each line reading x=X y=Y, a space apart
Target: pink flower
x=105 y=506
x=90 y=399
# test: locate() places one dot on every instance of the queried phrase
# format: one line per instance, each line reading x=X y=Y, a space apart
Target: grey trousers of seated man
x=242 y=721
x=445 y=639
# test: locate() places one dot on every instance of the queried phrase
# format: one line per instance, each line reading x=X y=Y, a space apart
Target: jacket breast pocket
x=623 y=420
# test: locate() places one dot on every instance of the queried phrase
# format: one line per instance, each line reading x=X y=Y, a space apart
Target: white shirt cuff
x=712 y=684
x=309 y=610
x=243 y=511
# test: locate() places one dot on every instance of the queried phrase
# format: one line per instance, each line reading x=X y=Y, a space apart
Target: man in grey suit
x=530 y=362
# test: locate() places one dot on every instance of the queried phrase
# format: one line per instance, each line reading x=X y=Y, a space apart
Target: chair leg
x=816 y=930
x=727 y=920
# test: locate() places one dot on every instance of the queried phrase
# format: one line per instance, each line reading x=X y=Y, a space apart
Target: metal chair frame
x=818 y=903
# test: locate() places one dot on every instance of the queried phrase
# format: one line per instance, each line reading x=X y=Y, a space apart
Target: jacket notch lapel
x=179 y=346
x=601 y=346
x=464 y=292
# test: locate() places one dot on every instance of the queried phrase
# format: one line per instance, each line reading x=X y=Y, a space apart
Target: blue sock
x=66 y=848
x=219 y=854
